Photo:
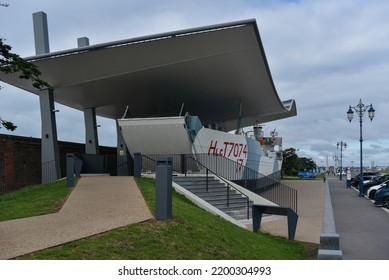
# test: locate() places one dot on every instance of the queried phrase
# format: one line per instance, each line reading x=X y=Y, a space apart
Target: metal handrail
x=226 y=182
x=207 y=170
x=223 y=167
x=263 y=185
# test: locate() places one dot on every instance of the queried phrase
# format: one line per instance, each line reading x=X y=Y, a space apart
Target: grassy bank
x=33 y=201
x=191 y=234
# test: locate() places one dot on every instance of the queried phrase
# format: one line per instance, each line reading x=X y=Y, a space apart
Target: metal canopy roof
x=208 y=69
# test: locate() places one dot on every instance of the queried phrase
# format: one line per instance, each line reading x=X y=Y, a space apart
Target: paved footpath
x=362 y=227
x=102 y=203
x=96 y=205
x=310 y=195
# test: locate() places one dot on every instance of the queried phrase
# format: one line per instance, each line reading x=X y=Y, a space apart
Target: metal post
x=361 y=192
x=163 y=188
x=206 y=180
x=342 y=146
x=228 y=196
x=183 y=164
x=341 y=163
x=360 y=109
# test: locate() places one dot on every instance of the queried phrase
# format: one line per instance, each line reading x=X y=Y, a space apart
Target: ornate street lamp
x=336 y=160
x=341 y=145
x=360 y=109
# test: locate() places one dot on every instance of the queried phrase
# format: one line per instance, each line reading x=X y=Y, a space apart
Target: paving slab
x=310 y=195
x=363 y=227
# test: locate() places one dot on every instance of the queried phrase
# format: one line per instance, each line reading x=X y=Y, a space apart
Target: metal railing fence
x=268 y=187
x=184 y=163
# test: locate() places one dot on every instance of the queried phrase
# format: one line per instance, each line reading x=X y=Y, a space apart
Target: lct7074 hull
x=186 y=135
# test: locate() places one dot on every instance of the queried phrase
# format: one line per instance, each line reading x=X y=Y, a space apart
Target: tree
x=292 y=163
x=13 y=63
x=307 y=163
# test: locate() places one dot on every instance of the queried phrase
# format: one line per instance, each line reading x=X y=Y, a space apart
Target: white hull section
x=171 y=135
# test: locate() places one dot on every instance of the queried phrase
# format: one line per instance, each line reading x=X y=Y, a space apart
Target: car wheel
x=372 y=194
x=385 y=202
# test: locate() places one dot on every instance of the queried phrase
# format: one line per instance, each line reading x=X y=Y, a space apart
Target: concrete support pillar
x=50 y=152
x=123 y=155
x=91 y=137
x=41 y=33
x=82 y=42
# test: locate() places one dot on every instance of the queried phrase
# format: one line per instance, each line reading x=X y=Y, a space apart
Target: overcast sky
x=325 y=54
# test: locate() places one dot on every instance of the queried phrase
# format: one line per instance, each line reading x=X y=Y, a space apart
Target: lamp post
x=336 y=160
x=342 y=146
x=360 y=109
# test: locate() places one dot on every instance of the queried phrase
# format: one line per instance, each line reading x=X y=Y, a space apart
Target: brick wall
x=20 y=160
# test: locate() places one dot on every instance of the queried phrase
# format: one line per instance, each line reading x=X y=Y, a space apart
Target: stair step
x=198 y=183
x=210 y=190
x=190 y=178
x=232 y=207
x=242 y=202
x=242 y=215
x=233 y=197
x=203 y=186
x=216 y=195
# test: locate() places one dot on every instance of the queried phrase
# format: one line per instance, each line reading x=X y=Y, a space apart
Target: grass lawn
x=191 y=234
x=33 y=201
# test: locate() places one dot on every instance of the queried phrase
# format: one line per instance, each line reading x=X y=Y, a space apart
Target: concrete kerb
x=329 y=240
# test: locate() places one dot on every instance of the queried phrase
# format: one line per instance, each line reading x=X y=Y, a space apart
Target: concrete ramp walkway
x=310 y=195
x=96 y=205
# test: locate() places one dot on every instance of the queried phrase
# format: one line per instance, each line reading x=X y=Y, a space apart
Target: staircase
x=233 y=204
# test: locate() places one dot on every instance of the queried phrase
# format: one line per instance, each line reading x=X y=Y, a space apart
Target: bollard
x=163 y=188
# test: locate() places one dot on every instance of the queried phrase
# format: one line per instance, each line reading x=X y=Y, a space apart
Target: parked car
x=382 y=197
x=366 y=176
x=306 y=174
x=377 y=180
x=371 y=192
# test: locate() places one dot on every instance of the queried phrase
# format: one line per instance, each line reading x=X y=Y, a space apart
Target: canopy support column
x=91 y=137
x=50 y=151
x=124 y=159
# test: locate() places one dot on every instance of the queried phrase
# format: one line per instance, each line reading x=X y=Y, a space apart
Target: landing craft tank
x=186 y=135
